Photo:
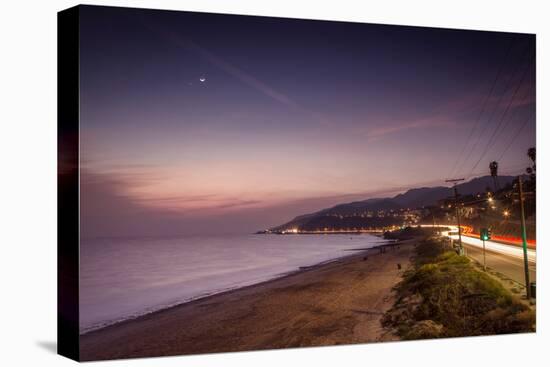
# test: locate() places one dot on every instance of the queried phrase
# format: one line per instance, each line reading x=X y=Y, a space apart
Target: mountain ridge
x=410 y=199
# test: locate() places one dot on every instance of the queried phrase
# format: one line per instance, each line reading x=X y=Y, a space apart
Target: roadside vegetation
x=443 y=295
x=407 y=233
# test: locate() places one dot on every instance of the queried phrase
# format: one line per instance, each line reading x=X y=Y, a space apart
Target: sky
x=205 y=123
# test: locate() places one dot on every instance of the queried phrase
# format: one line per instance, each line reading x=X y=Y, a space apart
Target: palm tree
x=532 y=153
x=493 y=166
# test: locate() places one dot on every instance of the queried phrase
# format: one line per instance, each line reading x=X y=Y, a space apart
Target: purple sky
x=293 y=116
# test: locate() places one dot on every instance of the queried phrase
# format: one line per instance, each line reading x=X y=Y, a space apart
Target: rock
x=425 y=329
x=412 y=300
x=403 y=311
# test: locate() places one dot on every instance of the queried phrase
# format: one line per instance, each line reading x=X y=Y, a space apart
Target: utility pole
x=524 y=239
x=454 y=181
x=484 y=262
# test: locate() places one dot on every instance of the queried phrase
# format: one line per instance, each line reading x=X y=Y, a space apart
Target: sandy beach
x=340 y=302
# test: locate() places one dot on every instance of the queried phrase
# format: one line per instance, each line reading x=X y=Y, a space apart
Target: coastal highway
x=505 y=259
x=510 y=266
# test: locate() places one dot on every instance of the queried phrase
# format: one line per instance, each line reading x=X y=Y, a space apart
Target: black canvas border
x=68 y=183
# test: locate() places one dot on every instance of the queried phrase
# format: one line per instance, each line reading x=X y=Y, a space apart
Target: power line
x=491 y=142
x=525 y=95
x=506 y=170
x=493 y=139
x=474 y=127
x=515 y=136
x=508 y=83
x=510 y=170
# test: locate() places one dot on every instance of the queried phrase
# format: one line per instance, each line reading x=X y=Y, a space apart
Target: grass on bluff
x=445 y=296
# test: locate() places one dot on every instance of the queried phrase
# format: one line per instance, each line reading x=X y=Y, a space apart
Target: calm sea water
x=124 y=278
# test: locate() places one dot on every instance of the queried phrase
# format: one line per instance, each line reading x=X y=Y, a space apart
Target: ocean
x=125 y=278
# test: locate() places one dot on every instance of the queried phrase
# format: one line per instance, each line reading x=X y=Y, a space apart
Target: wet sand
x=341 y=302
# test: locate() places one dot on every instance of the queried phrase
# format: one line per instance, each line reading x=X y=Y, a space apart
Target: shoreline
x=109 y=323
x=193 y=327
x=215 y=293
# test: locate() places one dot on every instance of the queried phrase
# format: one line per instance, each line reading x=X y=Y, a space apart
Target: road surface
x=510 y=266
x=505 y=259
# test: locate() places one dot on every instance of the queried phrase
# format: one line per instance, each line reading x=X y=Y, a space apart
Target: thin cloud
x=250 y=80
x=227 y=67
x=440 y=117
x=130 y=188
x=239 y=74
x=377 y=133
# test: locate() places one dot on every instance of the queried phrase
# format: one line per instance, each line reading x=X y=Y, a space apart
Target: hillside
x=378 y=212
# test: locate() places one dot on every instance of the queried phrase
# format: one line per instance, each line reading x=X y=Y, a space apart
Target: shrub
x=455 y=300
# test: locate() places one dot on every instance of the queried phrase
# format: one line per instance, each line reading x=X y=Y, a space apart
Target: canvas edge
x=68 y=183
